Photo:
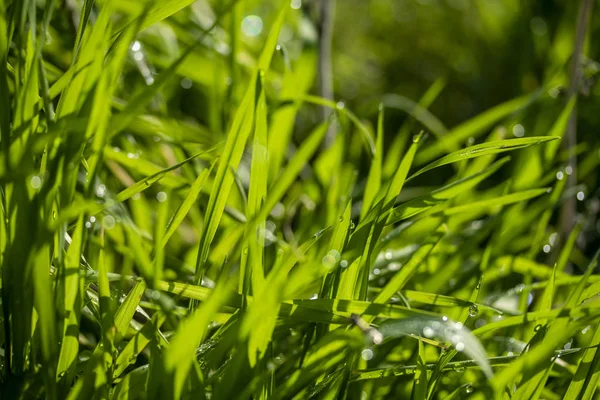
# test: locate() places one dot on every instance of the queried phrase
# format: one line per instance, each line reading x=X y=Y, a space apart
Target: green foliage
x=184 y=217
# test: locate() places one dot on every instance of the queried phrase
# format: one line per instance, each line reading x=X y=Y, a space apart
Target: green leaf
x=483 y=149
x=443 y=194
x=473 y=128
x=449 y=331
x=232 y=153
x=331 y=351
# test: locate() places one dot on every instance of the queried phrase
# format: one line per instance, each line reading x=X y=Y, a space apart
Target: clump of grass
x=149 y=255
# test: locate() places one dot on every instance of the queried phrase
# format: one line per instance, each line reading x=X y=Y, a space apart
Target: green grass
x=147 y=254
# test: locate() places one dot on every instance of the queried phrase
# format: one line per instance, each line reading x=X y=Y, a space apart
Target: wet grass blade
x=483 y=149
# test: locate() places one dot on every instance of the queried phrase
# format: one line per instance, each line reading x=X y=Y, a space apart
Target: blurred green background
x=464 y=56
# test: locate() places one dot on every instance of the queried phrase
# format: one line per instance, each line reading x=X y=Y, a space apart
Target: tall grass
x=145 y=254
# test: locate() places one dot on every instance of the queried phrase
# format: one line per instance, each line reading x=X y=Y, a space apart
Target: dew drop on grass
x=537 y=328
x=186 y=83
x=580 y=196
x=161 y=196
x=394 y=266
x=366 y=354
x=100 y=190
x=460 y=346
x=469 y=388
x=252 y=25
x=569 y=170
x=35 y=182
x=344 y=264
x=547 y=248
x=518 y=130
x=585 y=330
x=340 y=105
x=559 y=175
x=108 y=222
x=473 y=310
x=388 y=255
x=296 y=4
x=428 y=332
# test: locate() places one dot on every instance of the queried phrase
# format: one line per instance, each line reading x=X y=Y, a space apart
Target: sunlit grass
x=146 y=254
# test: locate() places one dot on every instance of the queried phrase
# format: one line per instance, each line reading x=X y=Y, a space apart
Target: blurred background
x=434 y=64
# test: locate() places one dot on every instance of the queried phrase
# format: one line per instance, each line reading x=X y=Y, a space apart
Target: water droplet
x=444 y=318
x=340 y=105
x=394 y=266
x=376 y=271
x=341 y=218
x=161 y=196
x=136 y=46
x=314 y=296
x=186 y=83
x=296 y=4
x=469 y=388
x=537 y=328
x=376 y=336
x=559 y=175
x=344 y=264
x=580 y=196
x=352 y=226
x=569 y=170
x=88 y=224
x=35 y=182
x=518 y=130
x=138 y=56
x=567 y=345
x=252 y=25
x=585 y=330
x=108 y=222
x=100 y=190
x=460 y=346
x=428 y=332
x=473 y=310
x=388 y=255
x=547 y=248
x=366 y=354
x=133 y=156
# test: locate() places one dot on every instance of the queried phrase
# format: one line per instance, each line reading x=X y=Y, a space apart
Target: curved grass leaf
x=449 y=331
x=483 y=149
x=473 y=128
